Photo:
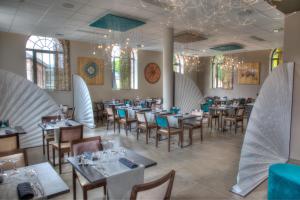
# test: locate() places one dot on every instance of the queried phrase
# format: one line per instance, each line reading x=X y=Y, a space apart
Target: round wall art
x=152 y=73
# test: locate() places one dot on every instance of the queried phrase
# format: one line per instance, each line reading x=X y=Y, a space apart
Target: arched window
x=178 y=65
x=45 y=63
x=276 y=58
x=221 y=77
x=124 y=68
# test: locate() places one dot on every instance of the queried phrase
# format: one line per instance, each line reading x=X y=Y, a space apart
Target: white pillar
x=291 y=53
x=168 y=74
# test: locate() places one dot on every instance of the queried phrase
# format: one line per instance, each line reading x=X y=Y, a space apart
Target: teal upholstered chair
x=284 y=182
x=125 y=120
x=174 y=110
x=205 y=107
x=163 y=128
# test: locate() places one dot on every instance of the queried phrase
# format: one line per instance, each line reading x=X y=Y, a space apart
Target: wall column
x=291 y=53
x=168 y=74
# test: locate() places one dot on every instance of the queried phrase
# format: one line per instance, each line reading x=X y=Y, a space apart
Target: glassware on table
x=15 y=169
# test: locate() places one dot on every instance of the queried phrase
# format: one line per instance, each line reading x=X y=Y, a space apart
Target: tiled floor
x=205 y=170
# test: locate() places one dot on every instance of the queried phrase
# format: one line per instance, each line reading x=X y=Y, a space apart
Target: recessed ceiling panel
x=116 y=23
x=227 y=47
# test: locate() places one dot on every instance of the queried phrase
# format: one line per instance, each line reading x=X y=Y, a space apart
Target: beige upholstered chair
x=9 y=142
x=143 y=124
x=48 y=136
x=63 y=145
x=19 y=155
x=111 y=117
x=235 y=119
x=159 y=189
x=78 y=147
x=191 y=126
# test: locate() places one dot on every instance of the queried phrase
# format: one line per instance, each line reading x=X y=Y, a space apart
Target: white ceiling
x=49 y=17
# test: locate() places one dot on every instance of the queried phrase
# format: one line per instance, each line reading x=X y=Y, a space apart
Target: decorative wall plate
x=152 y=73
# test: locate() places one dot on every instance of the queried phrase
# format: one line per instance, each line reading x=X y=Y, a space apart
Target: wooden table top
x=52 y=183
x=94 y=176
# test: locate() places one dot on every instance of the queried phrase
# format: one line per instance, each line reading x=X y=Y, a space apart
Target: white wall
x=204 y=78
x=12 y=58
x=291 y=53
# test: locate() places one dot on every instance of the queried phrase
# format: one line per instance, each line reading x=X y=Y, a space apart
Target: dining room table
x=12 y=130
x=109 y=166
x=43 y=179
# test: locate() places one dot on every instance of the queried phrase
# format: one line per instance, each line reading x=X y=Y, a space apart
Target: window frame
x=56 y=53
x=279 y=59
x=133 y=68
x=215 y=67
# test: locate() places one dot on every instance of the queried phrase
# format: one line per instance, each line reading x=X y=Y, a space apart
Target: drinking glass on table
x=14 y=162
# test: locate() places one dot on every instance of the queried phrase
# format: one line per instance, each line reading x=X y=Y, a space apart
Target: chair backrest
x=9 y=142
x=100 y=106
x=162 y=121
x=92 y=144
x=141 y=118
x=19 y=156
x=174 y=110
x=69 y=134
x=109 y=111
x=122 y=113
x=70 y=113
x=157 y=189
x=46 y=119
x=205 y=107
x=240 y=112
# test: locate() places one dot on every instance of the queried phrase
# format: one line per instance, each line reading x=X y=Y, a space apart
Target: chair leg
x=201 y=132
x=43 y=142
x=47 y=151
x=147 y=135
x=114 y=125
x=156 y=142
x=59 y=160
x=242 y=126
x=53 y=156
x=137 y=133
x=130 y=127
x=104 y=190
x=169 y=143
x=119 y=127
x=74 y=183
x=191 y=135
x=181 y=139
x=107 y=124
x=235 y=126
x=126 y=129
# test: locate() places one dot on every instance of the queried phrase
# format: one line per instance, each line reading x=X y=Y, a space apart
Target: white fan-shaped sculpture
x=268 y=132
x=23 y=104
x=82 y=102
x=187 y=94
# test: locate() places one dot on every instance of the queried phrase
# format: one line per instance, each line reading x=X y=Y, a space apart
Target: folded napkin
x=8 y=132
x=25 y=191
x=128 y=163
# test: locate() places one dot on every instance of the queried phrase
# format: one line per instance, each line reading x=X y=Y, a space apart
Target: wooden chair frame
x=153 y=184
x=60 y=150
x=147 y=127
x=17 y=151
x=191 y=128
x=127 y=123
x=12 y=135
x=86 y=188
x=158 y=133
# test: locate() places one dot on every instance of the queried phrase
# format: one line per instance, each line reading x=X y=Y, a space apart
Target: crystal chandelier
x=227 y=62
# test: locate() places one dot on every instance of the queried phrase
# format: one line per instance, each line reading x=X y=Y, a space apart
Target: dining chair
x=70 y=113
x=124 y=119
x=13 y=159
x=192 y=125
x=48 y=135
x=99 y=111
x=236 y=118
x=111 y=117
x=214 y=115
x=163 y=128
x=63 y=145
x=9 y=142
x=143 y=124
x=78 y=147
x=157 y=189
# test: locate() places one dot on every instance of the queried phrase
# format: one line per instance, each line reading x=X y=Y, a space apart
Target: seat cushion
x=65 y=145
x=173 y=131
